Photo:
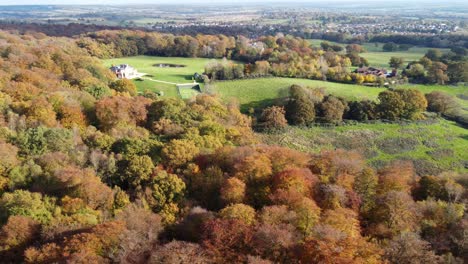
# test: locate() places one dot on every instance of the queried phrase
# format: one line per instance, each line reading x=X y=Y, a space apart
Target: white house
x=124 y=71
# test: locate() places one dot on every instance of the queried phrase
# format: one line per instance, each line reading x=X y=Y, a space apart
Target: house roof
x=120 y=67
x=371 y=70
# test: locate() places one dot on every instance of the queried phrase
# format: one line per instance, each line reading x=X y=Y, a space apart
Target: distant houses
x=124 y=71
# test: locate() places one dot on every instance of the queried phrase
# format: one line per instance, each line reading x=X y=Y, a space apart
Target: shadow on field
x=259 y=105
x=185 y=76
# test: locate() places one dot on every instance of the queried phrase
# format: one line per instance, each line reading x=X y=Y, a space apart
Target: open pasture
x=433 y=145
x=263 y=91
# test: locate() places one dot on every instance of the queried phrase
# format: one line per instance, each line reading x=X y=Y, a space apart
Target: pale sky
x=107 y=2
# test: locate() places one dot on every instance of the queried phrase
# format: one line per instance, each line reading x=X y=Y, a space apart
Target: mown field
x=145 y=64
x=379 y=58
x=433 y=145
x=263 y=91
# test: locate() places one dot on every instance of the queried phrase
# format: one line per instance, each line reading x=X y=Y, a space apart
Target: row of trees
x=306 y=106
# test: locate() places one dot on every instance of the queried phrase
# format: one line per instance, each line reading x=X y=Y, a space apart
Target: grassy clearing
x=436 y=146
x=381 y=59
x=263 y=91
x=177 y=75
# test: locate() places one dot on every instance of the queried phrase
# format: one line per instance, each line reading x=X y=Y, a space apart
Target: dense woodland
x=92 y=172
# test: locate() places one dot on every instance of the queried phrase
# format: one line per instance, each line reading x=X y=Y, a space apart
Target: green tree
x=136 y=170
x=24 y=203
x=164 y=193
x=433 y=54
x=391 y=105
x=365 y=185
x=332 y=109
x=240 y=212
x=416 y=71
x=458 y=71
x=98 y=91
x=415 y=103
x=179 y=151
x=300 y=110
x=362 y=111
x=396 y=62
x=390 y=46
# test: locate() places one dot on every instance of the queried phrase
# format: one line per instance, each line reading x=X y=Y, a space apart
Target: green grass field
x=379 y=58
x=144 y=64
x=263 y=91
x=433 y=147
x=257 y=93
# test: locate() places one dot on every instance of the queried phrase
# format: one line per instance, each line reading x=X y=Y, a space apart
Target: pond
x=168 y=65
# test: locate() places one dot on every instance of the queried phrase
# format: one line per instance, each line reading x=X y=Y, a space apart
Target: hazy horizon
x=155 y=2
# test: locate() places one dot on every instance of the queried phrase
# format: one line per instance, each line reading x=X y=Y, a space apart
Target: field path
x=153 y=80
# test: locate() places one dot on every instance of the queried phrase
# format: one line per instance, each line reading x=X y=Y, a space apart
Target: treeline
x=121 y=43
x=91 y=172
x=416 y=39
x=284 y=56
x=433 y=41
x=74 y=29
x=306 y=106
x=438 y=67
x=228 y=30
x=437 y=41
x=55 y=30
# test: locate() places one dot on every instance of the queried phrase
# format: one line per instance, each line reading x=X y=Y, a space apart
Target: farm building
x=124 y=71
x=372 y=71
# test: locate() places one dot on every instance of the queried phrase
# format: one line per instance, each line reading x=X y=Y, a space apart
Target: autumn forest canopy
x=94 y=171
